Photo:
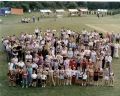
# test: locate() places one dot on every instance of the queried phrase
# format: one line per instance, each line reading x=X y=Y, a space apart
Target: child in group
x=74 y=71
x=96 y=73
x=56 y=77
x=84 y=81
x=43 y=78
x=50 y=77
x=12 y=79
x=61 y=76
x=79 y=75
x=39 y=73
x=68 y=77
x=101 y=76
x=24 y=78
x=111 y=79
x=106 y=77
x=90 y=75
x=45 y=72
x=34 y=79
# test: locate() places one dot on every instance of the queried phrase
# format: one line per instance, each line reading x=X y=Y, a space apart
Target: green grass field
x=11 y=25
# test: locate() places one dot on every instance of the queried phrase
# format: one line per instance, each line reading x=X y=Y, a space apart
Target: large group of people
x=25 y=20
x=45 y=59
x=28 y=19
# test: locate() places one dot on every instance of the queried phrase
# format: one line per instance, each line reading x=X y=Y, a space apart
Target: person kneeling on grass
x=43 y=78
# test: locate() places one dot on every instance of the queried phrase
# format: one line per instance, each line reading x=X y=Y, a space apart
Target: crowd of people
x=25 y=20
x=28 y=19
x=45 y=59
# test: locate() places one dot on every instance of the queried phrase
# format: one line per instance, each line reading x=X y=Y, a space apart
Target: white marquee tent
x=60 y=10
x=72 y=10
x=45 y=11
x=102 y=10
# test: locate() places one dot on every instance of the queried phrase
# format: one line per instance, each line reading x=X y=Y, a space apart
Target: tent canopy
x=83 y=9
x=60 y=10
x=102 y=10
x=4 y=10
x=72 y=10
x=45 y=11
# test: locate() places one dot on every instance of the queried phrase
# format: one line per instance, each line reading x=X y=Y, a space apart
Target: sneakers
x=43 y=86
x=24 y=86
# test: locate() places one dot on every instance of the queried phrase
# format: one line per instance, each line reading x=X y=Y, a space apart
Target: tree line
x=36 y=5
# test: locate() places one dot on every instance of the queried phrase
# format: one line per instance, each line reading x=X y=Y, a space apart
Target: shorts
x=106 y=78
x=100 y=77
x=61 y=77
x=87 y=57
x=84 y=79
x=43 y=81
x=80 y=78
x=34 y=80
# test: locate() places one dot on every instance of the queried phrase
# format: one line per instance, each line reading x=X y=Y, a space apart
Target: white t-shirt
x=34 y=65
x=10 y=66
x=64 y=52
x=69 y=72
x=37 y=30
x=43 y=77
x=66 y=63
x=74 y=72
x=87 y=52
x=34 y=76
x=82 y=54
x=21 y=64
x=117 y=46
x=68 y=32
x=28 y=56
x=84 y=76
x=15 y=60
x=108 y=59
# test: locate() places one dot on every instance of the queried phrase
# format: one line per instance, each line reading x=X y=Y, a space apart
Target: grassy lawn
x=11 y=25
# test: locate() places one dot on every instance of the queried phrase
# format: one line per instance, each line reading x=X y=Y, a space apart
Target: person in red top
x=84 y=65
x=24 y=78
x=73 y=63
